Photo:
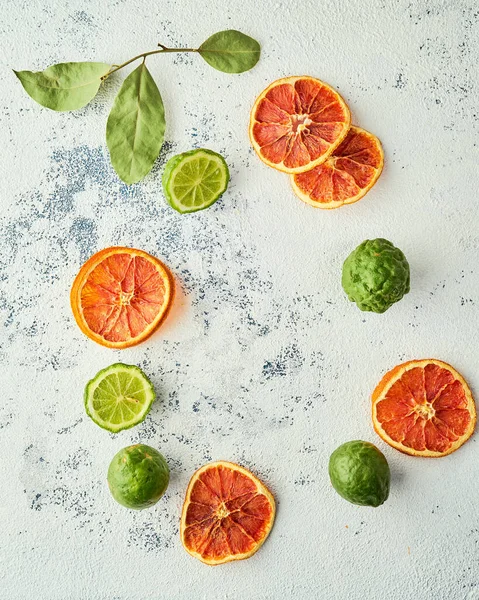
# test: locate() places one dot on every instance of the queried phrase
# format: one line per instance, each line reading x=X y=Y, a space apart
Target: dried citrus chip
x=424 y=408
x=227 y=514
x=121 y=296
x=346 y=176
x=297 y=122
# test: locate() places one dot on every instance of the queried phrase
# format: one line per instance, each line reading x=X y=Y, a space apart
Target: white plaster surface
x=263 y=360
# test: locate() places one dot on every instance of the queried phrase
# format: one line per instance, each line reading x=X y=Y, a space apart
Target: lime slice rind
x=119 y=397
x=195 y=180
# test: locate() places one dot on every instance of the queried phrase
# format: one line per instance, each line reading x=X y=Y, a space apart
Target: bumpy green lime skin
x=138 y=476
x=376 y=275
x=360 y=473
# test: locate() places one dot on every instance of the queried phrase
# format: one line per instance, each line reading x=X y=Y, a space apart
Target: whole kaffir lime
x=376 y=275
x=360 y=473
x=138 y=476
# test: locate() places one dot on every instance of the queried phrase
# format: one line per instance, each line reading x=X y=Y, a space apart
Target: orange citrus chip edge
x=344 y=177
x=227 y=514
x=424 y=408
x=121 y=296
x=297 y=122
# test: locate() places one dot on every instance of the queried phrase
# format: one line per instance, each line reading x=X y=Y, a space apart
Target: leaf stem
x=144 y=55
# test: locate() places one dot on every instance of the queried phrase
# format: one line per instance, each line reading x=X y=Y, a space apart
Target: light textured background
x=263 y=360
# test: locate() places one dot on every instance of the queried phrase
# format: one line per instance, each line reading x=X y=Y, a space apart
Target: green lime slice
x=195 y=180
x=118 y=397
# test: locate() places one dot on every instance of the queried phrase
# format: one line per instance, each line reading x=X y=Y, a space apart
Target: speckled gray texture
x=263 y=360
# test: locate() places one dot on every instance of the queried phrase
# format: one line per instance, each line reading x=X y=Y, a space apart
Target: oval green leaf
x=230 y=51
x=65 y=86
x=136 y=126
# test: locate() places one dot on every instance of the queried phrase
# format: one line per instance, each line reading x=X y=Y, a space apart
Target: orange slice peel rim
x=219 y=513
x=432 y=420
x=156 y=271
x=293 y=134
x=335 y=187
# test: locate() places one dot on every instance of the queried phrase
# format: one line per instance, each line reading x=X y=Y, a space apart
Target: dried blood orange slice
x=227 y=515
x=121 y=296
x=346 y=176
x=424 y=408
x=297 y=122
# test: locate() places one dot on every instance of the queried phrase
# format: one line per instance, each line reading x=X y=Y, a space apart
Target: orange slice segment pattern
x=227 y=514
x=121 y=296
x=346 y=176
x=424 y=408
x=297 y=122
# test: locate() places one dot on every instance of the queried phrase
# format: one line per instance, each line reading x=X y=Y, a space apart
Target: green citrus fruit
x=360 y=473
x=118 y=397
x=195 y=180
x=376 y=275
x=138 y=476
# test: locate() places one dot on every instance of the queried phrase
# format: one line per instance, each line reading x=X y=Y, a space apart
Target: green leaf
x=230 y=51
x=136 y=126
x=66 y=86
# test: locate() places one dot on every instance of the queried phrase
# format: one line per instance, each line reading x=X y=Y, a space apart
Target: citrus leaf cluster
x=136 y=124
